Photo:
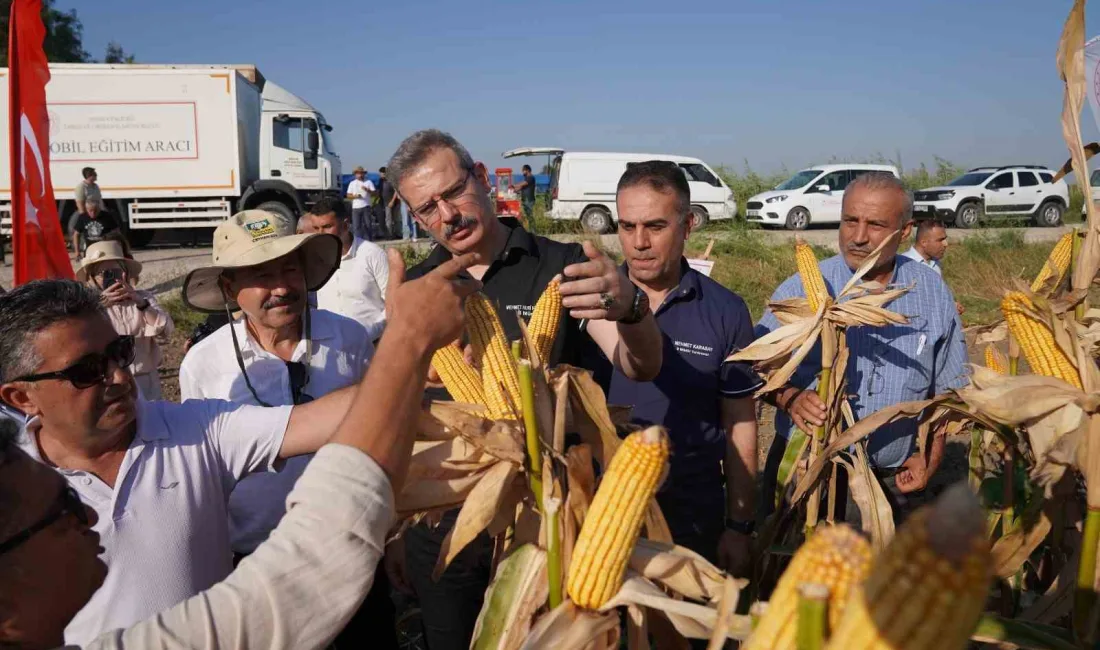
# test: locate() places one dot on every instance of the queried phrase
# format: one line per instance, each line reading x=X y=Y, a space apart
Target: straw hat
x=255 y=237
x=106 y=251
x=358 y=170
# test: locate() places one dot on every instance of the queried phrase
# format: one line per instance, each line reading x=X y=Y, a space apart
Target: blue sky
x=785 y=83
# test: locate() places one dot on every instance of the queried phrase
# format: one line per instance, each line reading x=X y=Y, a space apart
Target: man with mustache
x=887 y=365
x=448 y=196
x=279 y=352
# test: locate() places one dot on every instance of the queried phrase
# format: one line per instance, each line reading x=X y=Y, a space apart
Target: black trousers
x=449 y=607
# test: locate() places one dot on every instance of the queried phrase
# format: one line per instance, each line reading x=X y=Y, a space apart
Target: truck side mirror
x=314 y=141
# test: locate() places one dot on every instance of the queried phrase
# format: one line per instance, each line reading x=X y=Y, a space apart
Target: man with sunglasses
x=300 y=586
x=280 y=351
x=158 y=474
x=448 y=196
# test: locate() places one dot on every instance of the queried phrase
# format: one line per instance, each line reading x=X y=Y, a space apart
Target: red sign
x=37 y=239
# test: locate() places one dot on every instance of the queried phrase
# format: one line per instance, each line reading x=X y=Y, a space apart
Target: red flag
x=37 y=240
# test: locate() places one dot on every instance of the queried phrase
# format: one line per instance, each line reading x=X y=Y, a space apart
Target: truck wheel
x=699 y=217
x=279 y=209
x=596 y=219
x=798 y=219
x=1049 y=214
x=968 y=215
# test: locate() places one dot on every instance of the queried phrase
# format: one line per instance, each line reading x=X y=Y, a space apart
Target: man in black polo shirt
x=705 y=402
x=448 y=196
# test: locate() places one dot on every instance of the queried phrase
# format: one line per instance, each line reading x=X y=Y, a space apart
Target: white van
x=811 y=196
x=582 y=185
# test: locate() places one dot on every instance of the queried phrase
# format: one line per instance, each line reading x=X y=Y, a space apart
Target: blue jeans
x=408 y=225
x=360 y=222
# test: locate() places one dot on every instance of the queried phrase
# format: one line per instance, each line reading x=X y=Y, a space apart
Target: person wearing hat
x=280 y=351
x=133 y=312
x=360 y=191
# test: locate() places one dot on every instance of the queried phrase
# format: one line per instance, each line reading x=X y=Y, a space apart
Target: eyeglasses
x=68 y=502
x=92 y=369
x=429 y=212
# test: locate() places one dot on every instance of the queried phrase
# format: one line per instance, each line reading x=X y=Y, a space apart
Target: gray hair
x=28 y=310
x=414 y=149
x=877 y=180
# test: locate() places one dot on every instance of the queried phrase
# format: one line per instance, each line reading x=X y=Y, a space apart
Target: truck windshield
x=329 y=142
x=801 y=179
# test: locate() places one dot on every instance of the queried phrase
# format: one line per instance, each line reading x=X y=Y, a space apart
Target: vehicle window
x=555 y=173
x=836 y=181
x=1001 y=181
x=1095 y=178
x=799 y=180
x=972 y=178
x=699 y=173
x=1026 y=179
x=288 y=134
x=1049 y=178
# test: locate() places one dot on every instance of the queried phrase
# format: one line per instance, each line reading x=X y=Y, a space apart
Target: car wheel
x=596 y=219
x=699 y=217
x=279 y=209
x=1049 y=214
x=968 y=215
x=798 y=219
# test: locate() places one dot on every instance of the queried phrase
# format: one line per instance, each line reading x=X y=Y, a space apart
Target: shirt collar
x=151 y=427
x=518 y=240
x=356 y=242
x=689 y=287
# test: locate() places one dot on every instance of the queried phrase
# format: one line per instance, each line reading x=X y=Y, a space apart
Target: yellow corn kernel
x=1056 y=265
x=813 y=285
x=615 y=518
x=499 y=377
x=928 y=588
x=995 y=361
x=462 y=381
x=836 y=557
x=543 y=327
x=1036 y=339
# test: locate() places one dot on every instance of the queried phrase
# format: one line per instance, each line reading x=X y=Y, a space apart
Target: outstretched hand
x=429 y=308
x=597 y=289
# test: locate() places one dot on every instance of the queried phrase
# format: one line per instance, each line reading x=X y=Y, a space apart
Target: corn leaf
x=478 y=511
x=876 y=515
x=678 y=569
x=518 y=590
x=434 y=494
x=568 y=627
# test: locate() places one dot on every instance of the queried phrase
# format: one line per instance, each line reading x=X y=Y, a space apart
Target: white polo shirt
x=164 y=523
x=360 y=189
x=340 y=355
x=914 y=254
x=358 y=288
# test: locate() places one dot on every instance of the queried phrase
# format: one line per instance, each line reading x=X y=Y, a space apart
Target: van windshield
x=799 y=180
x=967 y=180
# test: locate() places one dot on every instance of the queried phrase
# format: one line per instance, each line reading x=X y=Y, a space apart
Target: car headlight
x=776 y=199
x=943 y=196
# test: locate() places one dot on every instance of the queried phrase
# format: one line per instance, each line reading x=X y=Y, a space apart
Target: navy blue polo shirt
x=701 y=324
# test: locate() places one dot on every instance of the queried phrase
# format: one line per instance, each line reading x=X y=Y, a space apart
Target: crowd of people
x=258 y=512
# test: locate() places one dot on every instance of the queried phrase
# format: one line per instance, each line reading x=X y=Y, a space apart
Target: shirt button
x=86 y=481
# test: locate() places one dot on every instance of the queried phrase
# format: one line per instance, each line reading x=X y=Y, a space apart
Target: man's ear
x=907 y=230
x=482 y=174
x=16 y=396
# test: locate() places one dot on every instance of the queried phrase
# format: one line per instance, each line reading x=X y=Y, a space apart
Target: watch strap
x=738 y=526
x=637 y=311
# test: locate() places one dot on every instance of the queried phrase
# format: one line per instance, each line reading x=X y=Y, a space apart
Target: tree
x=115 y=54
x=64 y=34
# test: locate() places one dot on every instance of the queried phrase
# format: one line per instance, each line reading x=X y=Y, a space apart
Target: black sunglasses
x=68 y=502
x=92 y=369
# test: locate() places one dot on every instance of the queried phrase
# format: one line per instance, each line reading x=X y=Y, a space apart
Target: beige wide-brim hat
x=106 y=251
x=255 y=237
x=359 y=170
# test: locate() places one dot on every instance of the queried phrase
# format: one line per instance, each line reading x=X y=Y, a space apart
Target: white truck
x=180 y=146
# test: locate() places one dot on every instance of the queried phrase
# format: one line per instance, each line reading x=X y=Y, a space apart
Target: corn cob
x=994 y=361
x=615 y=518
x=1036 y=339
x=1056 y=265
x=462 y=381
x=836 y=557
x=928 y=587
x=813 y=285
x=499 y=377
x=543 y=326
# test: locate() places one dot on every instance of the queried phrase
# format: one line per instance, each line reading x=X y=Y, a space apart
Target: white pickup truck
x=180 y=146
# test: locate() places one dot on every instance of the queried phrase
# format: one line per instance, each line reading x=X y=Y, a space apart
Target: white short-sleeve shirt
x=339 y=356
x=358 y=288
x=164 y=523
x=360 y=191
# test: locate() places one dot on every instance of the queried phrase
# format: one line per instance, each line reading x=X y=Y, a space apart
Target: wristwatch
x=738 y=526
x=639 y=307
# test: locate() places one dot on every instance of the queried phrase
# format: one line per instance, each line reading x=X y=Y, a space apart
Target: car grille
x=925 y=196
x=754 y=205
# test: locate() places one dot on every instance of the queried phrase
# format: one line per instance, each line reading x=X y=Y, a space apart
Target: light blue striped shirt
x=892 y=364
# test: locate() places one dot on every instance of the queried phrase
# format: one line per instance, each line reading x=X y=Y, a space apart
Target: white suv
x=996 y=192
x=812 y=195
